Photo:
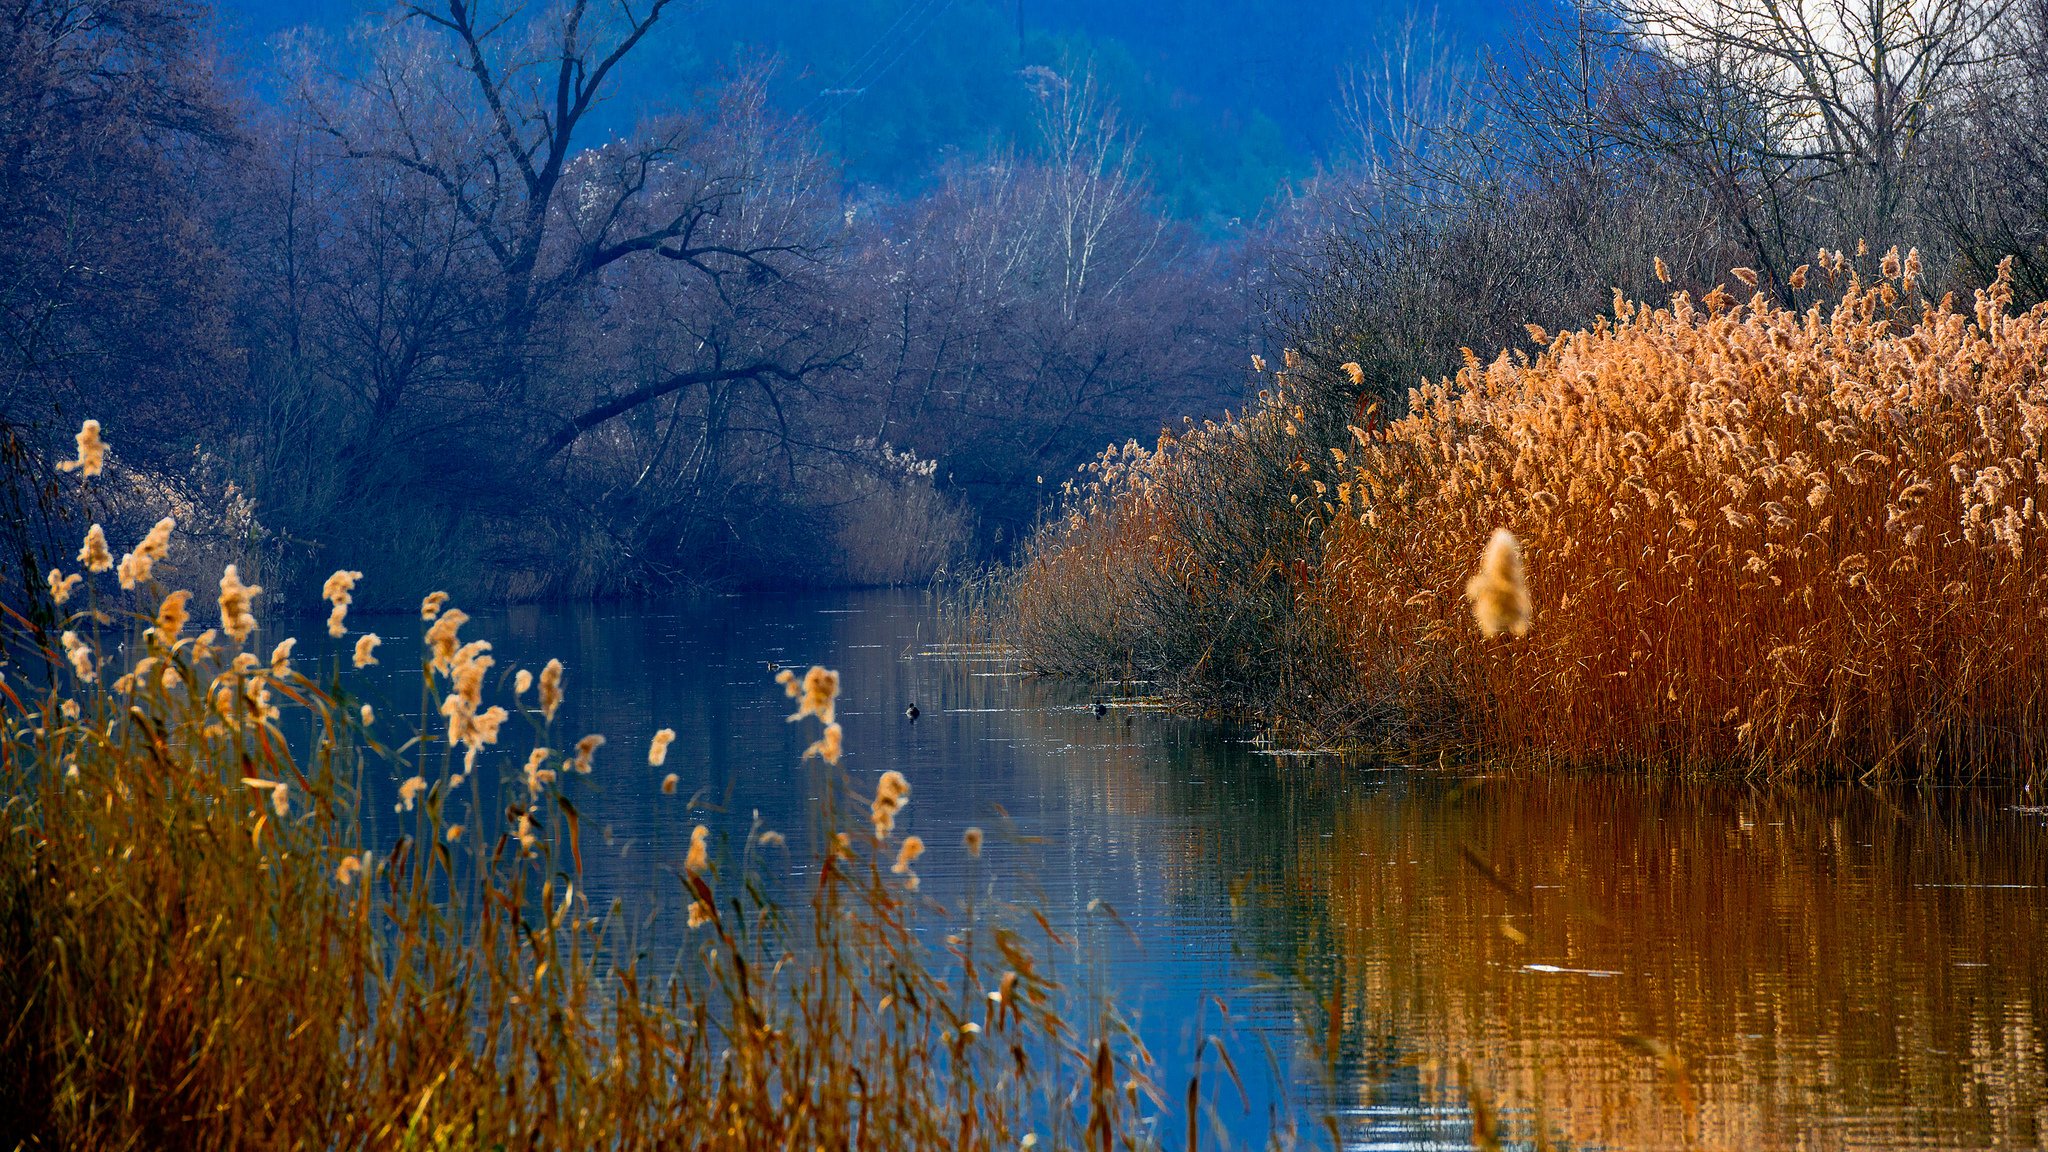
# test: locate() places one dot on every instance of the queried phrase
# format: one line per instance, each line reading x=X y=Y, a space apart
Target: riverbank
x=1757 y=539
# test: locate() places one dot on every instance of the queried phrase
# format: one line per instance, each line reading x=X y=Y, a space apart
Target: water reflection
x=1613 y=963
x=1792 y=967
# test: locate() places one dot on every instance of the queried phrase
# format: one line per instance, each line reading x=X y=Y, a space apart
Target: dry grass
x=202 y=953
x=1791 y=541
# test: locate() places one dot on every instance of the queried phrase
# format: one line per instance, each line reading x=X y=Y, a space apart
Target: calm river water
x=1613 y=962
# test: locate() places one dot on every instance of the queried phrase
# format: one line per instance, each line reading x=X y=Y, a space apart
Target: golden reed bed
x=1804 y=542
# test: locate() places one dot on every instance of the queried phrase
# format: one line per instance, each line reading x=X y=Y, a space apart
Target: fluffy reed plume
x=409 y=792
x=657 y=750
x=971 y=840
x=466 y=668
x=537 y=776
x=171 y=616
x=1499 y=595
x=79 y=653
x=136 y=677
x=827 y=745
x=281 y=800
x=94 y=554
x=136 y=566
x=521 y=682
x=92 y=452
x=892 y=792
x=281 y=656
x=347 y=869
x=339 y=590
x=368 y=715
x=699 y=860
x=483 y=732
x=443 y=640
x=458 y=712
x=668 y=784
x=913 y=847
x=366 y=648
x=236 y=619
x=430 y=607
x=61 y=586
x=816 y=694
x=585 y=749
x=550 y=690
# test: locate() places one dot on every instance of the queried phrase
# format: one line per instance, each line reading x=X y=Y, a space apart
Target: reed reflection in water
x=1615 y=962
x=1633 y=965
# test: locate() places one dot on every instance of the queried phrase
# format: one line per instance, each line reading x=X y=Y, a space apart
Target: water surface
x=1589 y=961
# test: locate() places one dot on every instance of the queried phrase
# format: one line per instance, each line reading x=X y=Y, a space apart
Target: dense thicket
x=432 y=307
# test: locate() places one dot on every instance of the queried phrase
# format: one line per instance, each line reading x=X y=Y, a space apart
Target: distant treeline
x=426 y=309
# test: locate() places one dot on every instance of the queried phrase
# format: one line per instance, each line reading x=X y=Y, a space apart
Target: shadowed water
x=1586 y=961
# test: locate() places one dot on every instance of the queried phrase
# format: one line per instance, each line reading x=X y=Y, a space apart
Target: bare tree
x=621 y=319
x=110 y=283
x=1033 y=307
x=1782 y=96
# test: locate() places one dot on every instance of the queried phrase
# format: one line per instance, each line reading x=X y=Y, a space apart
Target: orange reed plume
x=892 y=792
x=94 y=554
x=339 y=590
x=550 y=690
x=913 y=847
x=236 y=619
x=443 y=640
x=1499 y=595
x=62 y=585
x=827 y=745
x=171 y=616
x=815 y=698
x=92 y=452
x=135 y=566
x=79 y=653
